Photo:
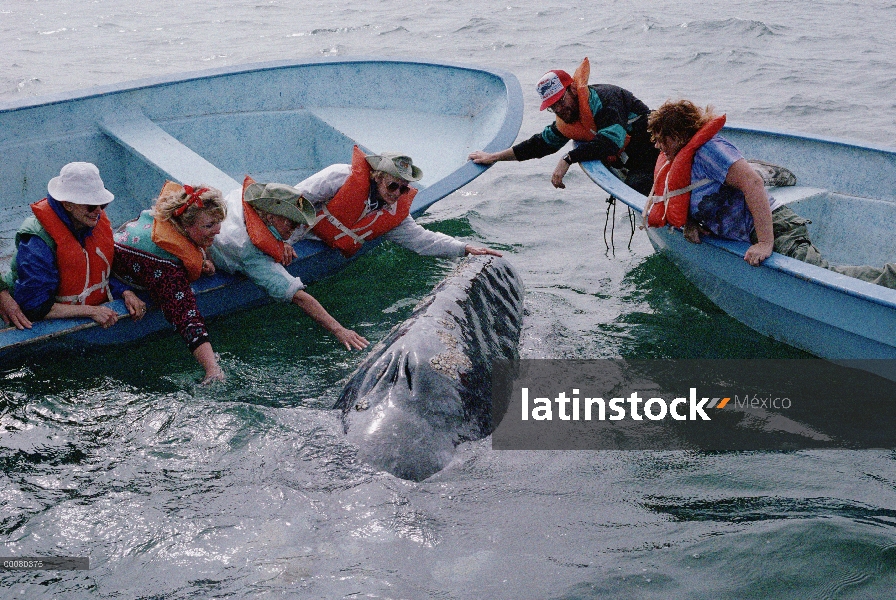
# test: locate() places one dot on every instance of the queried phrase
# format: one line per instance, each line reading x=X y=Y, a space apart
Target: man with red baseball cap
x=608 y=122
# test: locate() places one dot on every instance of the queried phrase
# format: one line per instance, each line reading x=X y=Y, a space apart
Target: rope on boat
x=632 y=222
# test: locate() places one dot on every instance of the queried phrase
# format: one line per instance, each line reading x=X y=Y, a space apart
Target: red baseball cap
x=552 y=86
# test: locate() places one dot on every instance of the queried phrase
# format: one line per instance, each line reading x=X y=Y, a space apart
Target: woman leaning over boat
x=164 y=250
x=259 y=218
x=64 y=255
x=719 y=193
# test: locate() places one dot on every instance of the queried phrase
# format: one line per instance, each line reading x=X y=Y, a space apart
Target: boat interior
x=848 y=230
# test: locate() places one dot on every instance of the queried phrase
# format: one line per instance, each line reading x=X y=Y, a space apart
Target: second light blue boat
x=275 y=121
x=848 y=191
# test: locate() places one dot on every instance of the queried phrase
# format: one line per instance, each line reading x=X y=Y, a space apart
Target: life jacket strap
x=104 y=284
x=651 y=200
x=358 y=239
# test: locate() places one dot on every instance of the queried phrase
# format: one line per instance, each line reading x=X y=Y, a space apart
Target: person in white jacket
x=390 y=174
x=261 y=252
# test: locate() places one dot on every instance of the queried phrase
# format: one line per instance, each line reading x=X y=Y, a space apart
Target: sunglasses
x=93 y=207
x=395 y=186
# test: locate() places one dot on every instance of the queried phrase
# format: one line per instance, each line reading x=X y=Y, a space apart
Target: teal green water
x=248 y=489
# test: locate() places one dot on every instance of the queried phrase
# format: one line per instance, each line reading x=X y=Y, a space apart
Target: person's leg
x=885 y=276
x=792 y=239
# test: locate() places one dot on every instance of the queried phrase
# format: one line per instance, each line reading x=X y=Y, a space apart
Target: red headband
x=193 y=197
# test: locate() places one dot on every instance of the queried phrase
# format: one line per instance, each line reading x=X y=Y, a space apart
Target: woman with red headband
x=164 y=250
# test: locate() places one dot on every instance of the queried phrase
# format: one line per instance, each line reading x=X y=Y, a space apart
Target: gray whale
x=426 y=387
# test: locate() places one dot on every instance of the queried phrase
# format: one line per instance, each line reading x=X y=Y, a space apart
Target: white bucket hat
x=80 y=183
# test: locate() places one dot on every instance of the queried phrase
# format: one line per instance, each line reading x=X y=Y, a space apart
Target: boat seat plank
x=144 y=138
x=795 y=193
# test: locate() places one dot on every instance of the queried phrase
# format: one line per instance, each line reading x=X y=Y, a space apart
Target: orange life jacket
x=167 y=237
x=583 y=130
x=340 y=223
x=259 y=234
x=671 y=197
x=83 y=270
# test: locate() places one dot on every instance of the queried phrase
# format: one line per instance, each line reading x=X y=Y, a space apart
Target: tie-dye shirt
x=720 y=208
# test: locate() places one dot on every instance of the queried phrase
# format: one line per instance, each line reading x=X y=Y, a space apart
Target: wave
x=765 y=508
x=478 y=25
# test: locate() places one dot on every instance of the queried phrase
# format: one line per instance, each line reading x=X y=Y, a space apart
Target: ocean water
x=248 y=489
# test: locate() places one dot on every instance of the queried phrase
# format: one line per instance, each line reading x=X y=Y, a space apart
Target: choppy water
x=249 y=490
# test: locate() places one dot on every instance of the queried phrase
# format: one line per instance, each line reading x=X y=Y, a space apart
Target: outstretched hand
x=480 y=251
x=350 y=339
x=559 y=173
x=480 y=157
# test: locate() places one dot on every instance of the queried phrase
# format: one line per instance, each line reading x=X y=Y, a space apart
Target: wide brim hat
x=80 y=183
x=395 y=164
x=552 y=86
x=280 y=199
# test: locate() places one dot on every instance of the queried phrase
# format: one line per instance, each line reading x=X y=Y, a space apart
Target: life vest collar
x=583 y=130
x=259 y=233
x=168 y=237
x=670 y=199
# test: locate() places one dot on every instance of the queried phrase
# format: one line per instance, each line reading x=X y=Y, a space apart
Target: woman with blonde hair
x=164 y=250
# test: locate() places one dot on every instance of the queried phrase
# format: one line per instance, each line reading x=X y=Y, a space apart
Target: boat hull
x=275 y=121
x=824 y=313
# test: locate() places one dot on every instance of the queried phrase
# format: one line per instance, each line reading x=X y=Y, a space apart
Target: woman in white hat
x=164 y=250
x=259 y=218
x=64 y=252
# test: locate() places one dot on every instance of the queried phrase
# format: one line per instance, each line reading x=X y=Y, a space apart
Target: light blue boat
x=275 y=121
x=849 y=193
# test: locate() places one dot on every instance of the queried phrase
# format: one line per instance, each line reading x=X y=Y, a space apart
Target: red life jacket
x=259 y=234
x=83 y=270
x=671 y=197
x=340 y=223
x=583 y=130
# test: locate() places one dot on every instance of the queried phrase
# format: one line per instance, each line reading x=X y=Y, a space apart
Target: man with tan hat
x=608 y=122
x=64 y=253
x=260 y=217
x=370 y=198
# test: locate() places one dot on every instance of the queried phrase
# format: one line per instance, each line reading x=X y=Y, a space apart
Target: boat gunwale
x=504 y=136
x=217 y=72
